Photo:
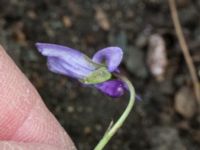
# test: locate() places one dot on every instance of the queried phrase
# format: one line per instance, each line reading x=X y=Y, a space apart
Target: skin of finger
x=23 y=115
x=11 y=145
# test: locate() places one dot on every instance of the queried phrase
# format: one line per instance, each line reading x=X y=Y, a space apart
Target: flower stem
x=113 y=129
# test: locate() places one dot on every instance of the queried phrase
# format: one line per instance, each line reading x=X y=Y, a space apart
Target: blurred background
x=166 y=118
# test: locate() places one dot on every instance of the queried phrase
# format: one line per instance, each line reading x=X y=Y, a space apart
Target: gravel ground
x=163 y=120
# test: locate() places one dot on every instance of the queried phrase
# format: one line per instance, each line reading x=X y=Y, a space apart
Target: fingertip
x=12 y=145
x=23 y=115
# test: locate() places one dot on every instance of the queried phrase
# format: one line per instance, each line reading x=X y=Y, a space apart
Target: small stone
x=185 y=103
x=134 y=61
x=102 y=19
x=31 y=55
x=157 y=56
x=141 y=40
x=50 y=32
x=19 y=34
x=67 y=21
x=98 y=127
x=32 y=14
x=87 y=130
x=74 y=8
x=165 y=138
x=119 y=39
x=70 y=109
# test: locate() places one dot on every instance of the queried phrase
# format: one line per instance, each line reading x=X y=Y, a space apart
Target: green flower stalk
x=114 y=128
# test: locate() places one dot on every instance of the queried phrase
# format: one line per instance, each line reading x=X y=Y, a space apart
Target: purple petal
x=111 y=55
x=59 y=66
x=66 y=61
x=113 y=88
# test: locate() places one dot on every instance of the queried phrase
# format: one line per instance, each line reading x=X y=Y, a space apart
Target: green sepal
x=100 y=75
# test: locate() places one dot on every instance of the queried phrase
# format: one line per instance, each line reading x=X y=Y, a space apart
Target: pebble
x=67 y=21
x=87 y=130
x=185 y=103
x=157 y=56
x=70 y=109
x=134 y=61
x=102 y=19
x=165 y=138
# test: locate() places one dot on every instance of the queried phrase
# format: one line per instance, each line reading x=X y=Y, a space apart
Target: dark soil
x=84 y=112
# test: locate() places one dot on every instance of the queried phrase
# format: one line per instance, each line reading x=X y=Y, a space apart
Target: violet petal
x=59 y=66
x=113 y=88
x=66 y=61
x=111 y=55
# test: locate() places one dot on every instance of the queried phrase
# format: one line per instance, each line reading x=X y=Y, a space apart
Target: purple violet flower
x=96 y=71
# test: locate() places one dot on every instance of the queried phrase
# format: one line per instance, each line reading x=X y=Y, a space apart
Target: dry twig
x=184 y=47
